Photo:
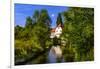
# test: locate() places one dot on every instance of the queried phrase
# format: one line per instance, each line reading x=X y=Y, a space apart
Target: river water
x=54 y=54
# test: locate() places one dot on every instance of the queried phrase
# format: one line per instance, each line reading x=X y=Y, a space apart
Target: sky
x=21 y=11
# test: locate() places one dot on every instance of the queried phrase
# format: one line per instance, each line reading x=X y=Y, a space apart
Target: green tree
x=45 y=18
x=34 y=38
x=18 y=30
x=78 y=29
x=28 y=22
x=59 y=20
x=36 y=16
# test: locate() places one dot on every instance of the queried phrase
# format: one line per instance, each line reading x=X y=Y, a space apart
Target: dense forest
x=32 y=42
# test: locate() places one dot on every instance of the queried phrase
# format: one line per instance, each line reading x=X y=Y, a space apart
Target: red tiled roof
x=53 y=29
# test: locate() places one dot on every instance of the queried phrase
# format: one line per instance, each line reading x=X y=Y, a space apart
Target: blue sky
x=21 y=11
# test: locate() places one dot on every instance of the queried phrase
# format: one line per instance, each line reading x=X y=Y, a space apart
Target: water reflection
x=55 y=55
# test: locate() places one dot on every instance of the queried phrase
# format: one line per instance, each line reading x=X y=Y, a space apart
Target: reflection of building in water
x=54 y=54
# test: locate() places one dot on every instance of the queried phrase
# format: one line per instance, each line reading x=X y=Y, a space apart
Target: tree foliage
x=31 y=39
x=59 y=20
x=79 y=30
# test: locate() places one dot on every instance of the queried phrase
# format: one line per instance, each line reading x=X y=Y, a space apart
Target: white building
x=56 y=32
